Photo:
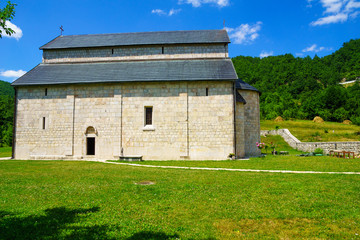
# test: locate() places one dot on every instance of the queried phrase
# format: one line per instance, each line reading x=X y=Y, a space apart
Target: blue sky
x=256 y=28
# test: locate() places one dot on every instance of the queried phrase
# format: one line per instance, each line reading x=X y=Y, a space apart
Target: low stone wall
x=311 y=146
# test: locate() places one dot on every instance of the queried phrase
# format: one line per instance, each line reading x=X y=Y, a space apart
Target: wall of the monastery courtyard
x=252 y=122
x=31 y=138
x=240 y=131
x=186 y=123
x=211 y=121
x=136 y=53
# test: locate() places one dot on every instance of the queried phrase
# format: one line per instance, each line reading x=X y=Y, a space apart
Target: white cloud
x=315 y=48
x=331 y=19
x=18 y=32
x=158 y=12
x=198 y=3
x=265 y=54
x=173 y=11
x=12 y=73
x=337 y=11
x=245 y=33
x=161 y=12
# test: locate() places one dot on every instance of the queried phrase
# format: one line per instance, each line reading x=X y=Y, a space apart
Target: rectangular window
x=207 y=91
x=43 y=123
x=45 y=91
x=162 y=50
x=148 y=115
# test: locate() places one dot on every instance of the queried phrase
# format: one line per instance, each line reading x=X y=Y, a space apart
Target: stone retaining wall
x=311 y=146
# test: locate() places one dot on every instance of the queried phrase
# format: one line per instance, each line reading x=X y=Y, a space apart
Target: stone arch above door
x=90 y=130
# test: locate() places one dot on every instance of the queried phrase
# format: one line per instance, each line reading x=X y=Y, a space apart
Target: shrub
x=340 y=114
x=355 y=120
x=326 y=131
x=319 y=151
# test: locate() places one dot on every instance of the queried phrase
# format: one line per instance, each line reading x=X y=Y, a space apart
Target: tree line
x=6 y=113
x=302 y=88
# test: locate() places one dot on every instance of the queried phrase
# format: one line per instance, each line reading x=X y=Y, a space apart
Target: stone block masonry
x=251 y=122
x=136 y=53
x=187 y=124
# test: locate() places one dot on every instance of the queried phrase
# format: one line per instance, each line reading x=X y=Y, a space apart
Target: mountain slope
x=303 y=88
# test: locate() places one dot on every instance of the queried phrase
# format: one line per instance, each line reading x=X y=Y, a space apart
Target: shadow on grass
x=55 y=224
x=148 y=235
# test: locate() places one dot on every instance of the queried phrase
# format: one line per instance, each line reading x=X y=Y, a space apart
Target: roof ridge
x=104 y=34
x=138 y=39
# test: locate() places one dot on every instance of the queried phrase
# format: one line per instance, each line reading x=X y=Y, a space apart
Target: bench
x=132 y=158
x=341 y=154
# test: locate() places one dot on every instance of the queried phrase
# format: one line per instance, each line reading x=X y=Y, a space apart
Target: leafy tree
x=6 y=113
x=305 y=87
x=7 y=14
x=6 y=120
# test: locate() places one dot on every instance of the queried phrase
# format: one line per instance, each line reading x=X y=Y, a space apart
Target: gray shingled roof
x=172 y=70
x=240 y=98
x=141 y=38
x=240 y=84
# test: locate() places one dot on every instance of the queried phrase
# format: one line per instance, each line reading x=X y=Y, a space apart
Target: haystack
x=347 y=122
x=279 y=119
x=318 y=119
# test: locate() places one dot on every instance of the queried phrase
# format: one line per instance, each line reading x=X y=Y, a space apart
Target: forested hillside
x=6 y=113
x=303 y=88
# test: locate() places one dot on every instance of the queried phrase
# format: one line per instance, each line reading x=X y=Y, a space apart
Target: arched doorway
x=90 y=140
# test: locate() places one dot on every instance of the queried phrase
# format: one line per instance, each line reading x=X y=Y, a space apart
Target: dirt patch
x=145 y=183
x=318 y=119
x=347 y=122
x=279 y=119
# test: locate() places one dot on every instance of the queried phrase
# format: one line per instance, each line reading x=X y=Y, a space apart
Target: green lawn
x=5 y=152
x=308 y=131
x=88 y=200
x=295 y=163
x=280 y=145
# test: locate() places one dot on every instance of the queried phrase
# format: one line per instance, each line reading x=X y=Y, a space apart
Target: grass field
x=308 y=131
x=5 y=152
x=295 y=163
x=88 y=200
x=280 y=144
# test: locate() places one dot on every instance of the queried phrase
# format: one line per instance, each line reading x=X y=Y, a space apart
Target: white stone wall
x=311 y=146
x=240 y=130
x=136 y=53
x=251 y=122
x=186 y=123
x=31 y=138
x=211 y=120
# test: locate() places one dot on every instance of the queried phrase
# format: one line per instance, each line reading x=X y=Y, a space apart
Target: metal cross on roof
x=61 y=30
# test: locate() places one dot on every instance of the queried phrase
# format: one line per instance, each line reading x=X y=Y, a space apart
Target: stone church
x=153 y=95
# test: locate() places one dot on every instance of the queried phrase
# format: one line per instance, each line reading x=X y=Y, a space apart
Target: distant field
x=308 y=131
x=5 y=152
x=88 y=200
